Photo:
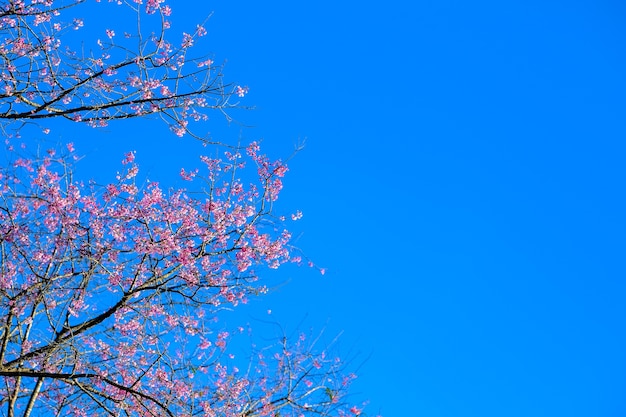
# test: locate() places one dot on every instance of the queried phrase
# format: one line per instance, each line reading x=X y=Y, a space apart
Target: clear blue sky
x=463 y=182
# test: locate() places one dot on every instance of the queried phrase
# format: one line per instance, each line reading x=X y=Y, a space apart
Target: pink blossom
x=129 y=158
x=165 y=91
x=241 y=91
x=187 y=40
x=188 y=175
x=205 y=344
x=206 y=63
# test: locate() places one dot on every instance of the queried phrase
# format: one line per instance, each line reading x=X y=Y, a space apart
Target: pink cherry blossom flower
x=241 y=91
x=356 y=411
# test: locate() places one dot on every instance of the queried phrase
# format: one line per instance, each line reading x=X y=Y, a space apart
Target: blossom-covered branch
x=109 y=294
x=45 y=75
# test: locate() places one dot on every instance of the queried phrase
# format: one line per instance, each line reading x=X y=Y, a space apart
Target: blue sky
x=462 y=182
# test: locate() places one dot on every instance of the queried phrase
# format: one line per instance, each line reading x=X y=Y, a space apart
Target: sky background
x=462 y=182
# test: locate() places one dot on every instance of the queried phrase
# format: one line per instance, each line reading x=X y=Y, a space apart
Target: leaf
x=329 y=393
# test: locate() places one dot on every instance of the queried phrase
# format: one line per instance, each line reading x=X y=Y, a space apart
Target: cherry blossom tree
x=110 y=294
